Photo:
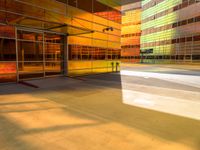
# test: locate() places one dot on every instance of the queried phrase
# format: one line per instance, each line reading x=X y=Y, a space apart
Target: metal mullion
x=34 y=5
x=43 y=48
x=44 y=61
x=29 y=17
x=31 y=30
x=192 y=48
x=39 y=61
x=17 y=61
x=40 y=7
x=53 y=43
x=9 y=38
x=51 y=11
x=66 y=48
x=52 y=61
x=24 y=40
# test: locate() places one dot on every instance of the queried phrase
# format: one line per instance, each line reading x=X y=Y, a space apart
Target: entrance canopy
x=48 y=22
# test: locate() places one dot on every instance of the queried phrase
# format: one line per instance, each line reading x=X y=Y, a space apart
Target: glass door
x=30 y=54
x=53 y=46
x=39 y=54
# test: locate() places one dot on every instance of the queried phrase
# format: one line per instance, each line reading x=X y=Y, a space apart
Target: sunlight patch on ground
x=171 y=105
x=181 y=79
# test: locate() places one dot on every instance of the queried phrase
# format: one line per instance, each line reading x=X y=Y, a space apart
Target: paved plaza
x=144 y=107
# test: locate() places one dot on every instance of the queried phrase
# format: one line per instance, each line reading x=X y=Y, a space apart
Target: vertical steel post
x=17 y=60
x=65 y=55
x=43 y=52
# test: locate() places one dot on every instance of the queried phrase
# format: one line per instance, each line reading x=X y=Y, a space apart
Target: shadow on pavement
x=100 y=99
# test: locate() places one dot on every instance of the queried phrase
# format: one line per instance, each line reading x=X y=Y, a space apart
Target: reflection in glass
x=72 y=3
x=38 y=57
x=30 y=51
x=52 y=68
x=53 y=50
x=30 y=69
x=106 y=12
x=79 y=52
x=85 y=5
x=7 y=31
x=7 y=72
x=31 y=36
x=7 y=50
x=26 y=67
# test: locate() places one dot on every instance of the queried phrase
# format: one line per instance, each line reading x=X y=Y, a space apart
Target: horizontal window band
x=171 y=26
x=172 y=41
x=168 y=11
x=131 y=35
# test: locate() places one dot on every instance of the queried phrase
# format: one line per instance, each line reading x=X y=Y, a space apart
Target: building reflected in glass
x=131 y=32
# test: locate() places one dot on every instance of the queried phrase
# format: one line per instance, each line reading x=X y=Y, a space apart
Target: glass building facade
x=58 y=37
x=170 y=31
x=72 y=37
x=131 y=32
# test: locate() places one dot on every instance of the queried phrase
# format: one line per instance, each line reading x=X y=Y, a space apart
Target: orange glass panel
x=7 y=72
x=131 y=32
x=8 y=67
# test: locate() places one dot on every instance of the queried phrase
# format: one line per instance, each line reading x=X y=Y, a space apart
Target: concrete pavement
x=124 y=111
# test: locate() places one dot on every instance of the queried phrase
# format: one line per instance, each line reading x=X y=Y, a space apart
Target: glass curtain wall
x=30 y=54
x=53 y=54
x=171 y=30
x=95 y=51
x=131 y=32
x=7 y=54
x=39 y=54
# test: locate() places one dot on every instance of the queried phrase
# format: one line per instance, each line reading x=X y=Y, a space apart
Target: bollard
x=112 y=63
x=117 y=64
